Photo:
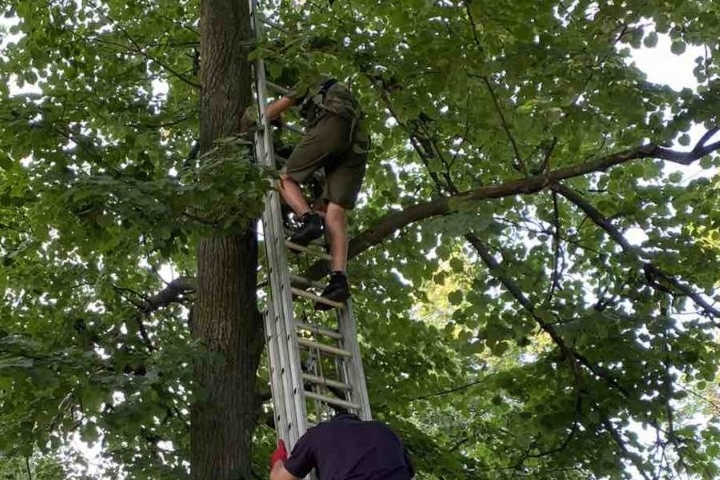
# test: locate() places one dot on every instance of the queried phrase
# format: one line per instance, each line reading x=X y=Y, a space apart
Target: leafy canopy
x=535 y=289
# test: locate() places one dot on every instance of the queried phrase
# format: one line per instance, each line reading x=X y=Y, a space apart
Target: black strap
x=326 y=86
x=307 y=107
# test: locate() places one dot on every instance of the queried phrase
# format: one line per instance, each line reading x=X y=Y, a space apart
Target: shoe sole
x=323 y=306
x=303 y=241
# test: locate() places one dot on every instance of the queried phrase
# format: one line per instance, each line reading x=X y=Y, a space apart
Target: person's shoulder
x=318 y=432
x=377 y=424
x=383 y=425
x=320 y=428
x=337 y=85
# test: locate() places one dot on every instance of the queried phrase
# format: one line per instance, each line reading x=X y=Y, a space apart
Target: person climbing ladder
x=335 y=140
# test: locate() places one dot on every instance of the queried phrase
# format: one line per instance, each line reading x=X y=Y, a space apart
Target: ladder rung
x=297 y=280
x=311 y=296
x=325 y=381
x=277 y=88
x=311 y=345
x=319 y=330
x=293 y=128
x=332 y=401
x=309 y=251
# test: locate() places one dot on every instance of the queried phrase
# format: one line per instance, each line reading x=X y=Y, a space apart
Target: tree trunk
x=227 y=321
x=225 y=318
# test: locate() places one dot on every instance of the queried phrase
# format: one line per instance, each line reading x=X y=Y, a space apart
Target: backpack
x=332 y=96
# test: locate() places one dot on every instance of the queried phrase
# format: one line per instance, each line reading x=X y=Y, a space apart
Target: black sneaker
x=310 y=229
x=337 y=290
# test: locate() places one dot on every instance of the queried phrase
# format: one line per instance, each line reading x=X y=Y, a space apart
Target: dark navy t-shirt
x=347 y=448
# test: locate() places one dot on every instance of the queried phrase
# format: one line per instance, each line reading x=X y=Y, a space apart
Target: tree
x=226 y=317
x=517 y=150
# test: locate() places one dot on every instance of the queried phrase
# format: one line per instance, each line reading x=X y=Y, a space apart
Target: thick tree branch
x=173 y=292
x=510 y=284
x=396 y=220
x=598 y=218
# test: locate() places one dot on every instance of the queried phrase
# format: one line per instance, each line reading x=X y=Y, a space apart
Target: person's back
x=347 y=448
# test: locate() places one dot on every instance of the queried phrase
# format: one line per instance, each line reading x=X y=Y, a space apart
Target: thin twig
x=518 y=157
x=138 y=49
x=555 y=279
x=446 y=392
x=652 y=272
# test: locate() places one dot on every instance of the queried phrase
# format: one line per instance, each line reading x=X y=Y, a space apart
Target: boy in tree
x=335 y=141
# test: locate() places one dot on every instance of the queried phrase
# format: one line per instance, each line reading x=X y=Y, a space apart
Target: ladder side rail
x=281 y=284
x=280 y=355
x=287 y=340
x=356 y=373
x=283 y=317
x=283 y=356
x=276 y=381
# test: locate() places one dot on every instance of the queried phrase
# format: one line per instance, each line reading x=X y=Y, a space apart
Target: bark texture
x=226 y=319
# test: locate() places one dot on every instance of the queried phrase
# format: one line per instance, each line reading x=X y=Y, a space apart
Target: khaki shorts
x=341 y=149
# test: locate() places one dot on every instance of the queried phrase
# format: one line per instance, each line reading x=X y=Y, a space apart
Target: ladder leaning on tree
x=315 y=363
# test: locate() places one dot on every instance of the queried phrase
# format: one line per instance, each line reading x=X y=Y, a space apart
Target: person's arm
x=300 y=463
x=276 y=108
x=294 y=96
x=278 y=472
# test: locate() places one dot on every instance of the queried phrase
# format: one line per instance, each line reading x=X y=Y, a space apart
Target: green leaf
x=499 y=349
x=455 y=297
x=677 y=47
x=650 y=40
x=5 y=161
x=457 y=264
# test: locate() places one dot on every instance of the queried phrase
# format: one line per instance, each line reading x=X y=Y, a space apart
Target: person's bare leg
x=336 y=224
x=293 y=196
x=336 y=227
x=310 y=223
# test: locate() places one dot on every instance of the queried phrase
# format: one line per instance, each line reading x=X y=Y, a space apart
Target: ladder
x=314 y=357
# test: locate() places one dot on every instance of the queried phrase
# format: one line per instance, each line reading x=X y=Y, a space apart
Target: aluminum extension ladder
x=315 y=363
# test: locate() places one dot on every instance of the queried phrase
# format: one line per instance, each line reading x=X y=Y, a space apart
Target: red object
x=280 y=453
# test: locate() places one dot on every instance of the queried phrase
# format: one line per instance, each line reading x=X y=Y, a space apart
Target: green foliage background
x=517 y=332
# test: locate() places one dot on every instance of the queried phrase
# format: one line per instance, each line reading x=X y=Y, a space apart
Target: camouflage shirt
x=337 y=99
